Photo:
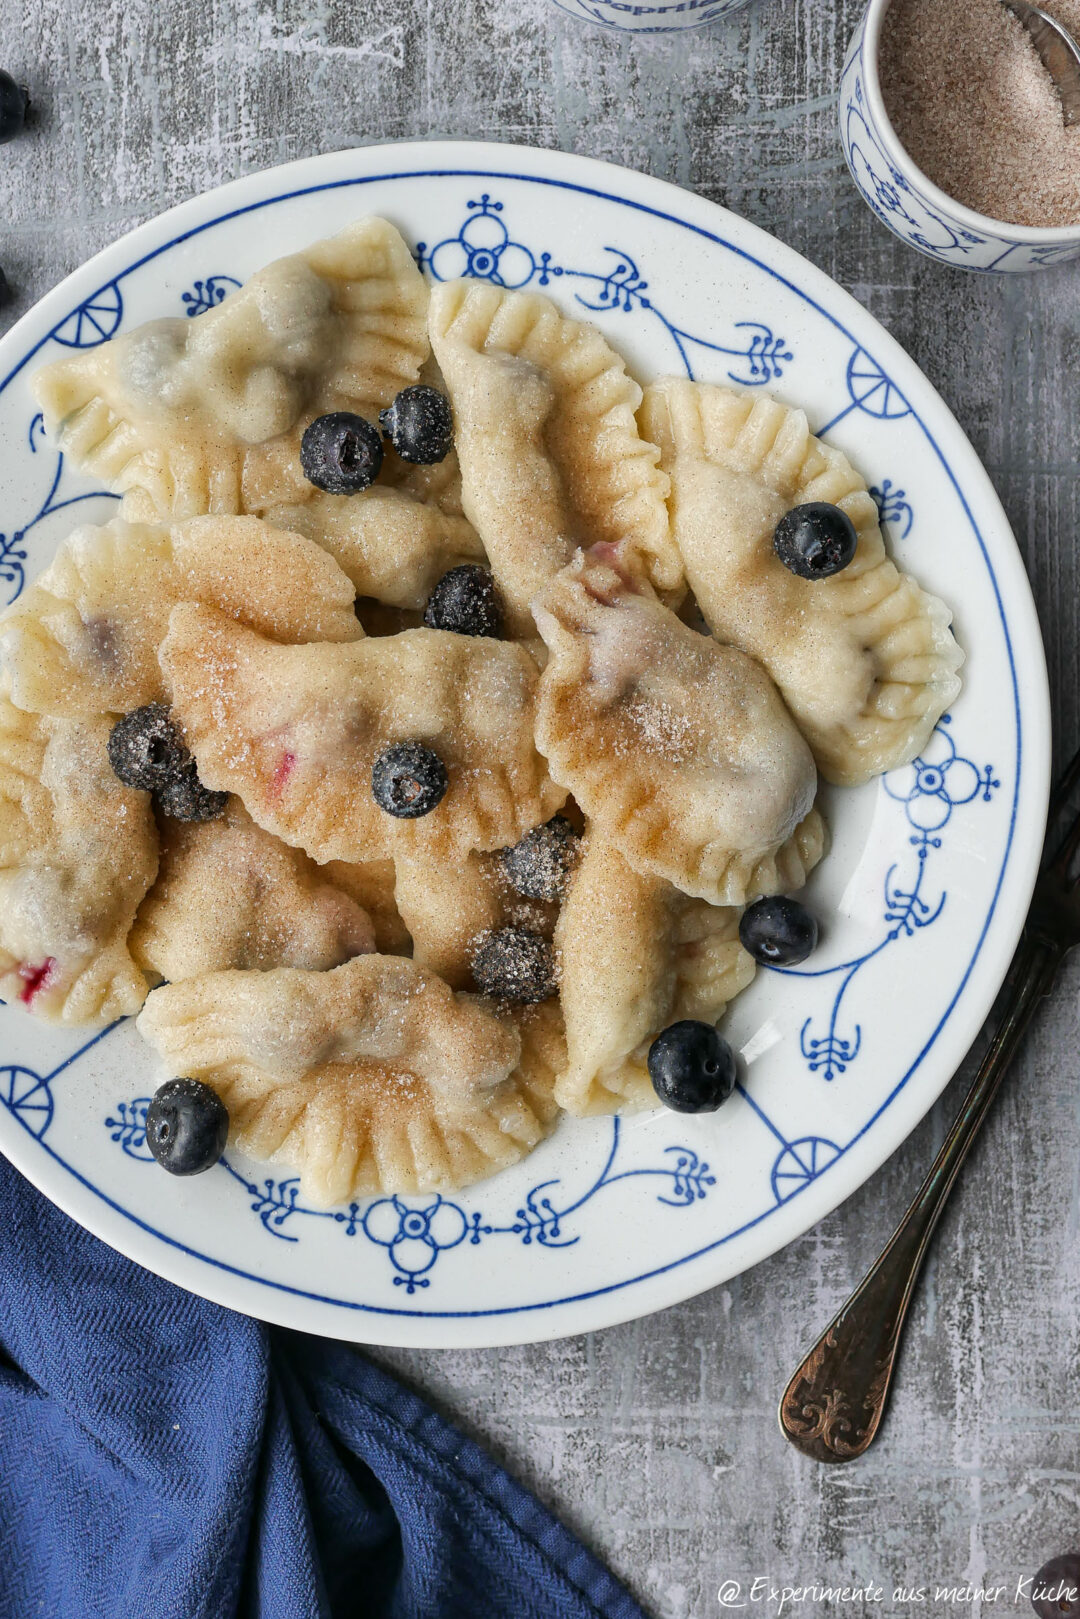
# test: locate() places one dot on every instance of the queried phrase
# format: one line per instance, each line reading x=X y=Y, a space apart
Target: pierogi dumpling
x=636 y=955
x=371 y=884
x=551 y=457
x=84 y=637
x=679 y=751
x=865 y=659
x=229 y=894
x=448 y=908
x=78 y=851
x=391 y=545
x=396 y=539
x=185 y=416
x=295 y=731
x=317 y=943
x=374 y=1077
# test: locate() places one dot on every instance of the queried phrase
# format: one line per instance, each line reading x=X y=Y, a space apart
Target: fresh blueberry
x=184 y=798
x=14 y=105
x=778 y=932
x=692 y=1067
x=408 y=780
x=515 y=964
x=146 y=748
x=466 y=601
x=815 y=541
x=187 y=1124
x=420 y=425
x=539 y=865
x=341 y=453
x=1055 y=1590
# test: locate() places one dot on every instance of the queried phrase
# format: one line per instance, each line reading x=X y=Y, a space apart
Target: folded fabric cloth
x=164 y=1458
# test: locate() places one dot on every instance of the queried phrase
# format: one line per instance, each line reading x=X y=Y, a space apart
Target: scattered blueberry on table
x=420 y=425
x=465 y=600
x=408 y=780
x=815 y=541
x=341 y=453
x=1055 y=1590
x=14 y=105
x=778 y=931
x=692 y=1067
x=187 y=1125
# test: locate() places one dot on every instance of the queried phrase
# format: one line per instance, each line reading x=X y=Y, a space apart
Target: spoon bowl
x=1058 y=51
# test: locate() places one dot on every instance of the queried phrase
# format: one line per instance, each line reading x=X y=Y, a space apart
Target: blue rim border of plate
x=463 y=172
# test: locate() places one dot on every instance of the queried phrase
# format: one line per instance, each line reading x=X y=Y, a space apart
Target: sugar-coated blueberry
x=408 y=780
x=419 y=424
x=341 y=453
x=187 y=1125
x=692 y=1067
x=538 y=866
x=465 y=600
x=515 y=964
x=14 y=105
x=184 y=798
x=778 y=932
x=146 y=748
x=815 y=541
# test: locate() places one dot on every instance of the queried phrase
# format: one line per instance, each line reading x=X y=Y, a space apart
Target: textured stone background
x=658 y=1441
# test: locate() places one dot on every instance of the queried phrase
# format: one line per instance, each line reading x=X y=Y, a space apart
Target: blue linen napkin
x=164 y=1458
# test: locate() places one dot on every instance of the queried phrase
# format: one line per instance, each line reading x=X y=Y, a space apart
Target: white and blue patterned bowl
x=902 y=197
x=661 y=17
x=922 y=896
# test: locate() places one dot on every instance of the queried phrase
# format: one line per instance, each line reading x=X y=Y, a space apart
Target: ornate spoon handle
x=832 y=1408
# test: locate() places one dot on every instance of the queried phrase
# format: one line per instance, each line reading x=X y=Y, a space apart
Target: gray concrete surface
x=658 y=1440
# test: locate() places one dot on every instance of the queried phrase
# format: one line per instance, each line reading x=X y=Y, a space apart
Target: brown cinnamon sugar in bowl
x=977 y=112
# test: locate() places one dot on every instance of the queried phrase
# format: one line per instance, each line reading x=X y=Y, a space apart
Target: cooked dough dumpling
x=636 y=955
x=865 y=660
x=294 y=733
x=374 y=1077
x=679 y=750
x=551 y=457
x=84 y=638
x=78 y=851
x=229 y=894
x=448 y=907
x=543 y=1056
x=391 y=545
x=205 y=415
x=371 y=884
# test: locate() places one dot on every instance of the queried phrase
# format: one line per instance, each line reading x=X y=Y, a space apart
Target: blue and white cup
x=661 y=17
x=902 y=197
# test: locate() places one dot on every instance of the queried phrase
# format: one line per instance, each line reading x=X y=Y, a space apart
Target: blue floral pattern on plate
x=484 y=248
x=657 y=1172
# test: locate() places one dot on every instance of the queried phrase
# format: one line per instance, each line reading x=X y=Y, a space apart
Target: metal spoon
x=1059 y=52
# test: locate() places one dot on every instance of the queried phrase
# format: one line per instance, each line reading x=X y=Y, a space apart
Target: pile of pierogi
x=662 y=681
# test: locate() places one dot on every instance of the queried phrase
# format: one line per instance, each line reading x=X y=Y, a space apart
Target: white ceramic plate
x=922 y=896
